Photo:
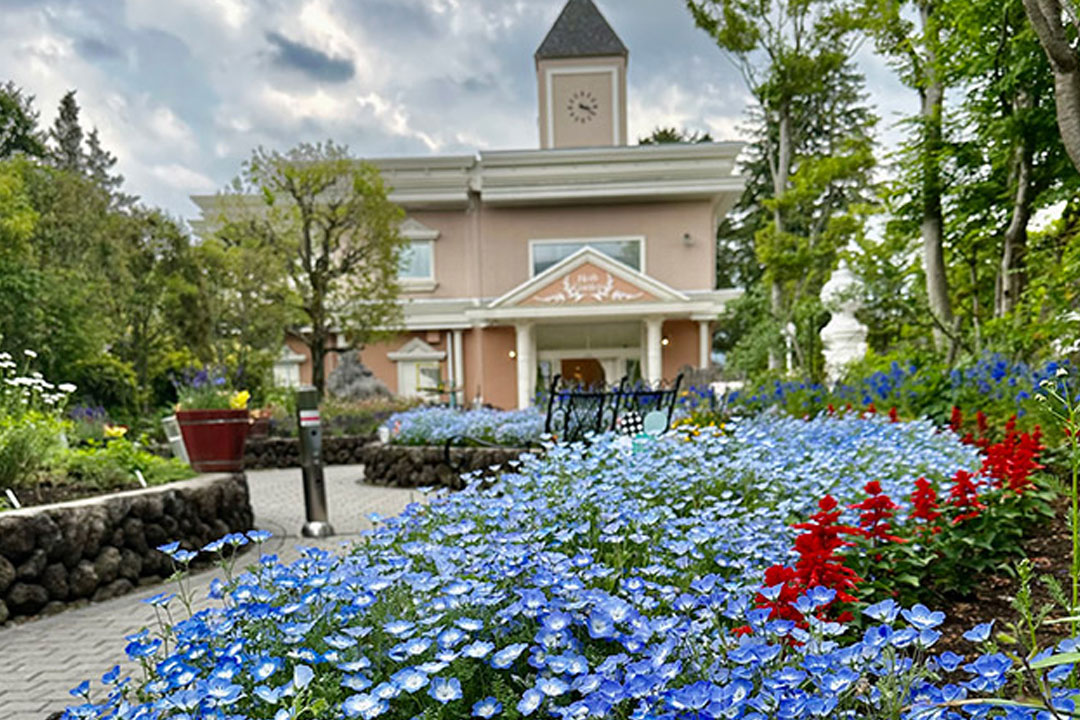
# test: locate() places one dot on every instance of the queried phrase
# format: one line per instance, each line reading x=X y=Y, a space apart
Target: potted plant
x=214 y=422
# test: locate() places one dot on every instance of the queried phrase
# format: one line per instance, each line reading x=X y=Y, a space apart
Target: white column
x=704 y=344
x=526 y=364
x=459 y=366
x=654 y=355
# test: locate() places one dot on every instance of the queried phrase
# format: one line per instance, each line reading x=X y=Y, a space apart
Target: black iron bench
x=575 y=413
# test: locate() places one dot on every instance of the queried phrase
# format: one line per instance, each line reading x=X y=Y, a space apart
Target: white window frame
x=417 y=233
x=586 y=242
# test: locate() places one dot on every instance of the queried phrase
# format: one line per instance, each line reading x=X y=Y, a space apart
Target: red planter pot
x=214 y=438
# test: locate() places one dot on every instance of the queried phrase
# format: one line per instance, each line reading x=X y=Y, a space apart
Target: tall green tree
x=1011 y=161
x=911 y=35
x=810 y=158
x=792 y=55
x=329 y=218
x=19 y=132
x=1057 y=25
x=67 y=136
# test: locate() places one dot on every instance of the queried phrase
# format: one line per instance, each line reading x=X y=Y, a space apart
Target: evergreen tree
x=67 y=136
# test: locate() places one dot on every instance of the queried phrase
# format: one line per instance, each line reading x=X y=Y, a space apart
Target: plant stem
x=1075 y=537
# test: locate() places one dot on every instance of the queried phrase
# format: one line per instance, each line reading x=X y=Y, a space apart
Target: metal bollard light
x=307 y=416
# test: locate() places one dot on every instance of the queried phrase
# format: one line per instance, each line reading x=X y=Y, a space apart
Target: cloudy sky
x=182 y=90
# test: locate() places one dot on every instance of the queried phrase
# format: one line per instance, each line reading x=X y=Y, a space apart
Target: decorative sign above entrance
x=589 y=284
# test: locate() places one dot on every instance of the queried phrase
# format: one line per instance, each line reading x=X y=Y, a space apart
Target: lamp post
x=307 y=417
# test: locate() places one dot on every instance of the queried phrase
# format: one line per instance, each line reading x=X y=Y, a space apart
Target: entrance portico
x=591 y=308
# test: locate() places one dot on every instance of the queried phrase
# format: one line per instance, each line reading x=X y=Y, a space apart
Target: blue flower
x=487 y=708
x=302 y=675
x=365 y=706
x=922 y=618
x=979 y=633
x=530 y=701
x=445 y=690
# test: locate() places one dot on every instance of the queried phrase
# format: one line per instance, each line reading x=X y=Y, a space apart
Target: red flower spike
x=876 y=511
x=956 y=420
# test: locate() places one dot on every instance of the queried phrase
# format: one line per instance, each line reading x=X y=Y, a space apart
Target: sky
x=181 y=91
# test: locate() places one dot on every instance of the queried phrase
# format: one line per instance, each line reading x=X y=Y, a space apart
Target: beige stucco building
x=587 y=258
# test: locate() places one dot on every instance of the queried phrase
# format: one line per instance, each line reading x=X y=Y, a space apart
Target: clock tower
x=581 y=74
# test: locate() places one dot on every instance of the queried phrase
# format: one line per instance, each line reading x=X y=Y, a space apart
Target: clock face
x=583 y=107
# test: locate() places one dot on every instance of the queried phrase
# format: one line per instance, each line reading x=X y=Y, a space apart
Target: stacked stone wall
x=406 y=466
x=52 y=556
x=270 y=453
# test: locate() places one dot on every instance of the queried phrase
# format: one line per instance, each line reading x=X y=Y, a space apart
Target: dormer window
x=416 y=266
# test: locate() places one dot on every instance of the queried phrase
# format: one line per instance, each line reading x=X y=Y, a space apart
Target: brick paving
x=42 y=659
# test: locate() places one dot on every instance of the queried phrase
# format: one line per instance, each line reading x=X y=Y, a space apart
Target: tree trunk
x=932 y=225
x=780 y=183
x=1012 y=276
x=317 y=346
x=1046 y=19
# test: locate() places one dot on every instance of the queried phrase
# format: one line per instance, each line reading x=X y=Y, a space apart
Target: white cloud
x=183 y=178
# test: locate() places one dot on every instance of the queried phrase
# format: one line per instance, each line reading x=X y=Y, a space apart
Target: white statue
x=844 y=338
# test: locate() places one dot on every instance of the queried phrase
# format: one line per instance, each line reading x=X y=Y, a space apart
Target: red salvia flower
x=894 y=414
x=925 y=502
x=956 y=420
x=964 y=496
x=875 y=513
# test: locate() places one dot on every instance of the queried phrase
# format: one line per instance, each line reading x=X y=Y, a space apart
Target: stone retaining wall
x=406 y=466
x=95 y=549
x=265 y=453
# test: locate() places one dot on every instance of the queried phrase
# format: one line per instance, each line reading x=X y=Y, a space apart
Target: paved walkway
x=42 y=659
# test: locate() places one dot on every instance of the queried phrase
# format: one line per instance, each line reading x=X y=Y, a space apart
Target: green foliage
x=669 y=135
x=931 y=568
x=112 y=465
x=19 y=133
x=329 y=237
x=29 y=444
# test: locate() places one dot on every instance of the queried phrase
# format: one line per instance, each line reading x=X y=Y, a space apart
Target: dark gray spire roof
x=580 y=31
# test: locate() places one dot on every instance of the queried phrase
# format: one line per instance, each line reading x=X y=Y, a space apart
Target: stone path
x=42 y=659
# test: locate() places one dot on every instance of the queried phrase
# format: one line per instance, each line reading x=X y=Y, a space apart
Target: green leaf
x=1055 y=660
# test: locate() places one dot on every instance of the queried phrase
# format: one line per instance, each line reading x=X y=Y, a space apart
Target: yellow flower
x=239 y=400
x=115 y=431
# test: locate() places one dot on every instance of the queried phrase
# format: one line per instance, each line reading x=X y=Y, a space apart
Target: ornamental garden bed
x=703 y=575
x=67 y=553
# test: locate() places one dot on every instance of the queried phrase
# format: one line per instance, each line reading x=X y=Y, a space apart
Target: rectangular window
x=549 y=254
x=416 y=261
x=428 y=378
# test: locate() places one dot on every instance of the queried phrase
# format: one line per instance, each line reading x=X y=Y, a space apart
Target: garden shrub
x=31 y=424
x=111 y=465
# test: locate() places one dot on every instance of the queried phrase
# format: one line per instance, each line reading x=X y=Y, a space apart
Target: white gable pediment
x=416 y=350
x=609 y=281
x=412 y=229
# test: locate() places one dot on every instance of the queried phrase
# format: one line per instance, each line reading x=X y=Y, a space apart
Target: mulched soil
x=47 y=492
x=1049 y=547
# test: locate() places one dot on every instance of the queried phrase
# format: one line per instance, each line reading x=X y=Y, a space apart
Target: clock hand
x=588 y=109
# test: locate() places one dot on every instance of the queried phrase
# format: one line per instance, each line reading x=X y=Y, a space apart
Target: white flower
x=30 y=354
x=66 y=388
x=1045 y=384
x=1062 y=372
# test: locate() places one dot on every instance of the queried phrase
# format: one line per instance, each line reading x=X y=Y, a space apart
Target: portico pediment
x=588 y=277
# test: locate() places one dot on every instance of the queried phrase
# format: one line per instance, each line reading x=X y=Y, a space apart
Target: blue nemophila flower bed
x=436 y=425
x=591 y=582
